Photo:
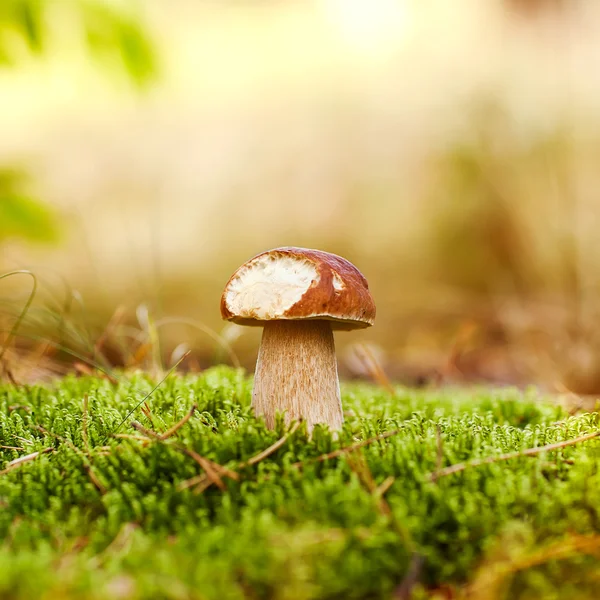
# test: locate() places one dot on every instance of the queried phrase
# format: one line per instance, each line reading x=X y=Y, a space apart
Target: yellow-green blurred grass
x=458 y=171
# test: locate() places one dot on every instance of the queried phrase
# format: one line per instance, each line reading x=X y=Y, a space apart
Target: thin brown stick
x=212 y=469
x=384 y=486
x=192 y=481
x=202 y=482
x=224 y=471
x=272 y=448
x=12 y=407
x=510 y=455
x=128 y=436
x=172 y=430
x=208 y=467
x=13 y=464
x=347 y=449
x=492 y=574
x=202 y=486
x=24 y=440
x=11 y=448
x=147 y=432
x=94 y=478
x=145 y=408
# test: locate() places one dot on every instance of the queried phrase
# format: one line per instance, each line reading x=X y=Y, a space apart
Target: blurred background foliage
x=27 y=31
x=108 y=30
x=450 y=150
x=22 y=216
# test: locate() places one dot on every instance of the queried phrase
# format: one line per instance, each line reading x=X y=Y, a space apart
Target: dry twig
x=201 y=482
x=510 y=455
x=208 y=467
x=171 y=431
x=384 y=486
x=192 y=481
x=213 y=470
x=13 y=464
x=491 y=575
x=347 y=449
x=149 y=433
x=272 y=448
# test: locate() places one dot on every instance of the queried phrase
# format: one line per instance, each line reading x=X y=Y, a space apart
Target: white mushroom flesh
x=269 y=286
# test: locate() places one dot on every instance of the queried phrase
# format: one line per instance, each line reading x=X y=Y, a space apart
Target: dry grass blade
x=146 y=432
x=13 y=464
x=219 y=339
x=94 y=478
x=272 y=448
x=491 y=575
x=213 y=470
x=83 y=369
x=112 y=323
x=11 y=448
x=139 y=355
x=510 y=455
x=13 y=407
x=128 y=436
x=200 y=483
x=374 y=368
x=143 y=400
x=464 y=335
x=208 y=467
x=17 y=324
x=224 y=471
x=147 y=413
x=384 y=486
x=171 y=431
x=23 y=440
x=359 y=465
x=348 y=449
x=202 y=486
x=192 y=481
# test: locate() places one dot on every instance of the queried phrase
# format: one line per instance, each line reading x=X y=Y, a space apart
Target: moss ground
x=203 y=514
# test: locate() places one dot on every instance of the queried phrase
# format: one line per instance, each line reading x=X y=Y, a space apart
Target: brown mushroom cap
x=297 y=283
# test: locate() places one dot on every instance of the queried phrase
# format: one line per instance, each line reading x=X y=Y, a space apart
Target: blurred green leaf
x=25 y=18
x=22 y=216
x=111 y=34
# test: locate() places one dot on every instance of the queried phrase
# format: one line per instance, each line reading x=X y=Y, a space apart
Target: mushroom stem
x=296 y=374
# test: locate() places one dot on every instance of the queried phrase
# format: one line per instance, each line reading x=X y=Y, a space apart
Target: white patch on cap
x=268 y=286
x=338 y=284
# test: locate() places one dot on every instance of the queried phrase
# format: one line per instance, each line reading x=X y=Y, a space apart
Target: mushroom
x=298 y=296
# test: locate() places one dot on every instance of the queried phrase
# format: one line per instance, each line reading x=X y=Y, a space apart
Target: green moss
x=127 y=530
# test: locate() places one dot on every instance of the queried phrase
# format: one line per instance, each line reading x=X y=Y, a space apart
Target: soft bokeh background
x=449 y=148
